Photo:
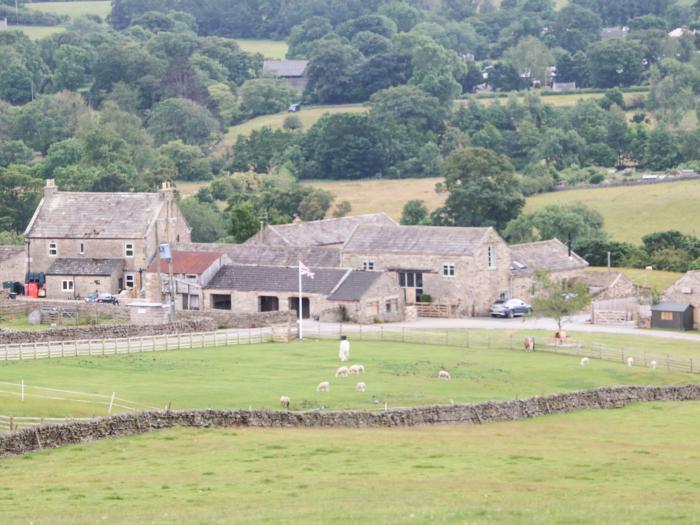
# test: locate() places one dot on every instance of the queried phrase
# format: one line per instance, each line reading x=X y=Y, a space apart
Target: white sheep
x=653 y=364
x=360 y=387
x=356 y=369
x=342 y=372
x=585 y=361
x=323 y=386
x=444 y=374
x=630 y=361
x=284 y=401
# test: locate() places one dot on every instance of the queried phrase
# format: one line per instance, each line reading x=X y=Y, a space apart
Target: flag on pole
x=305 y=270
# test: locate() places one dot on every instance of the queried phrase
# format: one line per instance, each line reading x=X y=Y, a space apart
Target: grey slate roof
x=338 y=284
x=670 y=307
x=85 y=266
x=7 y=252
x=286 y=68
x=427 y=240
x=552 y=255
x=258 y=254
x=354 y=286
x=95 y=215
x=325 y=232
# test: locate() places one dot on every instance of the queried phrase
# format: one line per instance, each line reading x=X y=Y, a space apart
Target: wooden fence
x=132 y=345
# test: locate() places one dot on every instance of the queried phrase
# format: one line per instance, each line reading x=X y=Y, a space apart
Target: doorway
x=305 y=305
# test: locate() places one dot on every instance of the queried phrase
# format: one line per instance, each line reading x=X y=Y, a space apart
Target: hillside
x=633 y=211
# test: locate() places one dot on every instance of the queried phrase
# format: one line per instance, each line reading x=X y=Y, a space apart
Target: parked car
x=101 y=297
x=509 y=308
x=294 y=108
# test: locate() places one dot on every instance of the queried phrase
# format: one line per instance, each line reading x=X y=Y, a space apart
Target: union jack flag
x=305 y=270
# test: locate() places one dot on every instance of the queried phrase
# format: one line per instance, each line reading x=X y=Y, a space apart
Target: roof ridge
x=340 y=283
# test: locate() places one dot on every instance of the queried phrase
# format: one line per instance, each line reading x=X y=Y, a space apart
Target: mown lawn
x=272 y=49
x=400 y=374
x=633 y=211
x=635 y=465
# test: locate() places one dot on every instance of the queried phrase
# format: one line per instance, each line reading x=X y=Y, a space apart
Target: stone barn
x=74 y=278
x=13 y=263
x=686 y=290
x=293 y=71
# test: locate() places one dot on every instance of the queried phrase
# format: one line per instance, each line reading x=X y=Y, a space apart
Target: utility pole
x=169 y=204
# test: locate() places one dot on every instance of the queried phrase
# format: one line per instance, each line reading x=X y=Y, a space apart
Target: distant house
x=293 y=71
x=328 y=232
x=603 y=285
x=79 y=231
x=686 y=290
x=552 y=256
x=334 y=294
x=192 y=271
x=680 y=32
x=613 y=33
x=263 y=255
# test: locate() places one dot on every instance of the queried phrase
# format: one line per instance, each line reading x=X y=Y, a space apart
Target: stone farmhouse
x=293 y=71
x=686 y=290
x=467 y=268
x=334 y=294
x=99 y=241
x=552 y=256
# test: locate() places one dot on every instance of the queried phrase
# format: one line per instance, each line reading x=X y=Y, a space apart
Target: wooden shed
x=674 y=316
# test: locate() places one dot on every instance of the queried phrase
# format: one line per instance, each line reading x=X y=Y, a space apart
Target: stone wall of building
x=82 y=285
x=522 y=285
x=14 y=268
x=51 y=436
x=105 y=331
x=227 y=319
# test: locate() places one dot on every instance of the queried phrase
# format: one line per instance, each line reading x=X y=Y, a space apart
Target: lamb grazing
x=284 y=401
x=585 y=361
x=356 y=369
x=630 y=361
x=323 y=386
x=444 y=374
x=342 y=372
x=360 y=387
x=529 y=344
x=653 y=364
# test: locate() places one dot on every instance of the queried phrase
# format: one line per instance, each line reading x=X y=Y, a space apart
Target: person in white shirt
x=344 y=353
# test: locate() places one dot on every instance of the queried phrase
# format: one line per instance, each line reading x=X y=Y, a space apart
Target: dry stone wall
x=50 y=436
x=105 y=332
x=226 y=319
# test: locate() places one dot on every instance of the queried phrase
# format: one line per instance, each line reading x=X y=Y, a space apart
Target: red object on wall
x=33 y=290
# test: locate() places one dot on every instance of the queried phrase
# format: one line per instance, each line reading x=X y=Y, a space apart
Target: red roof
x=187 y=262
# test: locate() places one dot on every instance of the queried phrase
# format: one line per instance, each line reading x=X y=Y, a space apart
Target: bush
x=596 y=178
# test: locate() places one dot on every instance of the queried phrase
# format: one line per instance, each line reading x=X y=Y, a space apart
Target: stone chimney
x=50 y=188
x=166 y=191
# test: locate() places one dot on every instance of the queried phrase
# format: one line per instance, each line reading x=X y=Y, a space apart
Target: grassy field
x=273 y=49
x=74 y=9
x=633 y=211
x=389 y=196
x=658 y=280
x=560 y=100
x=634 y=465
x=400 y=374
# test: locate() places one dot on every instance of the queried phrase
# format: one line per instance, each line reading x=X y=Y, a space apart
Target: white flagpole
x=301 y=307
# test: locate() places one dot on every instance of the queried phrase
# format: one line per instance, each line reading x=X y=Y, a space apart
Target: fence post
x=103 y=347
x=381 y=333
x=140 y=346
x=191 y=343
x=20 y=351
x=12 y=423
x=35 y=345
x=111 y=402
x=48 y=355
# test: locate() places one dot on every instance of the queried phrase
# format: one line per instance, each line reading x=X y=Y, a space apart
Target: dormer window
x=129 y=249
x=53 y=249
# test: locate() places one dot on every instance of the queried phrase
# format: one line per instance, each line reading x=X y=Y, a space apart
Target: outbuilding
x=673 y=316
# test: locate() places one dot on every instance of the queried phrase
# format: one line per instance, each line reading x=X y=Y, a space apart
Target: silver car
x=510 y=308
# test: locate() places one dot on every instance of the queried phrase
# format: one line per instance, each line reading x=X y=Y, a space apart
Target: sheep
x=585 y=361
x=342 y=372
x=284 y=401
x=356 y=369
x=630 y=361
x=444 y=374
x=529 y=344
x=360 y=387
x=323 y=386
x=653 y=364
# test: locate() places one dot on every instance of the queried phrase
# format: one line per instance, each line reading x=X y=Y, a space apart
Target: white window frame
x=53 y=249
x=82 y=248
x=491 y=256
x=368 y=265
x=129 y=247
x=448 y=269
x=129 y=278
x=67 y=285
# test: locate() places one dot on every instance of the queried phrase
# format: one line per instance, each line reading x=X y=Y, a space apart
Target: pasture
x=75 y=9
x=272 y=49
x=630 y=212
x=657 y=279
x=400 y=374
x=633 y=465
x=387 y=195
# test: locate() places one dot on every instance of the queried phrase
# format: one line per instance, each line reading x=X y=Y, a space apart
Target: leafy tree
x=223 y=103
x=177 y=118
x=189 y=161
x=315 y=204
x=381 y=71
x=673 y=90
x=558 y=300
x=662 y=150
x=330 y=73
x=20 y=193
x=531 y=58
x=504 y=77
x=404 y=16
x=261 y=150
x=302 y=35
x=14 y=152
x=415 y=212
x=263 y=96
x=342 y=209
x=369 y=43
x=575 y=221
x=573 y=69
x=243 y=222
x=292 y=122
x=205 y=219
x=61 y=154
x=435 y=71
x=481 y=188
x=576 y=27
x=73 y=67
x=616 y=63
